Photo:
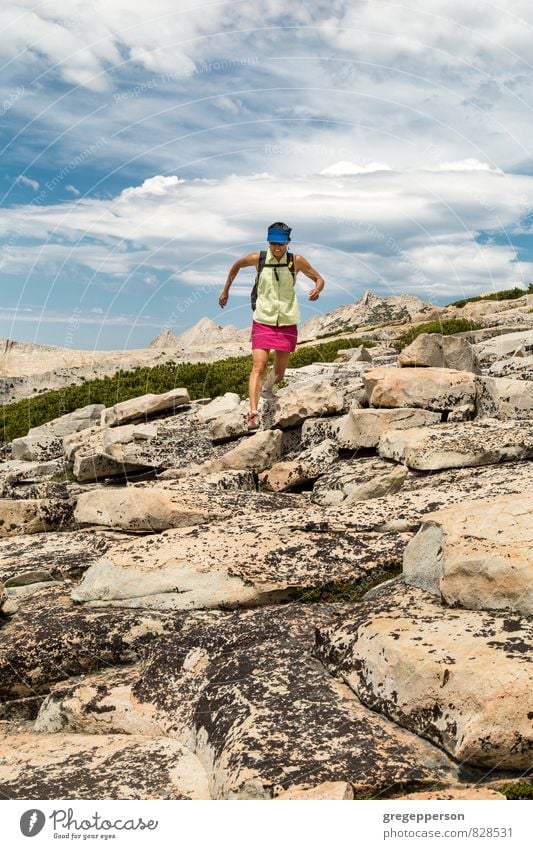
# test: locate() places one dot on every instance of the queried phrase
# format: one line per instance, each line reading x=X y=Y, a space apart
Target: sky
x=145 y=147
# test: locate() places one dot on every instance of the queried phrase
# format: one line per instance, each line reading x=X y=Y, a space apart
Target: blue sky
x=145 y=148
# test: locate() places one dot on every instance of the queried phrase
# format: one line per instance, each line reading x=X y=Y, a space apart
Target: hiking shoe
x=253 y=420
x=267 y=393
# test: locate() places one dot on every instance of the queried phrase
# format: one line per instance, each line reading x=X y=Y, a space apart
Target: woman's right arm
x=243 y=262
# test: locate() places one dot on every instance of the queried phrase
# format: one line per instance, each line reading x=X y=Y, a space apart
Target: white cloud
x=466 y=165
x=340 y=168
x=73 y=190
x=415 y=230
x=26 y=181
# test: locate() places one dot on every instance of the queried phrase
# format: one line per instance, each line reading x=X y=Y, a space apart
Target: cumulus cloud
x=415 y=231
x=26 y=181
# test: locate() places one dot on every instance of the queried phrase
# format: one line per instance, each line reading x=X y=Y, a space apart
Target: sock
x=271 y=380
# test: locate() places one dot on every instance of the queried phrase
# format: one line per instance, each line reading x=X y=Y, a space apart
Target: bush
x=447 y=327
x=348 y=329
x=502 y=295
x=203 y=380
x=520 y=790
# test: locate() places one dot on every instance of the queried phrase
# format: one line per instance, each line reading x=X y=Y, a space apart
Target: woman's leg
x=281 y=360
x=259 y=367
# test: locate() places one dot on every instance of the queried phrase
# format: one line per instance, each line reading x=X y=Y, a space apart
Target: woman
x=275 y=311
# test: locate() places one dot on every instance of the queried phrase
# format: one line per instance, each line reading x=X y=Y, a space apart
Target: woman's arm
x=243 y=262
x=304 y=266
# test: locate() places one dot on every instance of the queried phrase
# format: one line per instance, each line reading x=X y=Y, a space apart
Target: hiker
x=275 y=310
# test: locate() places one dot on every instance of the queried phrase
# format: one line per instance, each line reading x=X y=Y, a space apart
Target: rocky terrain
x=337 y=606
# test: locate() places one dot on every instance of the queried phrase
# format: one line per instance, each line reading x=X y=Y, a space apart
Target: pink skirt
x=274 y=338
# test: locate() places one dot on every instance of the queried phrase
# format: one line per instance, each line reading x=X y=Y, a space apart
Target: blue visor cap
x=276 y=235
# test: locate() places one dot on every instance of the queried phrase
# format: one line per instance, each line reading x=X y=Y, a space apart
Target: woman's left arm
x=301 y=264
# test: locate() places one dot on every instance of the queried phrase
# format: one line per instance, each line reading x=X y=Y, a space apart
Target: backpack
x=262 y=257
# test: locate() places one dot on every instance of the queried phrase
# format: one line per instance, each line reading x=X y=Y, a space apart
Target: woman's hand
x=314 y=293
x=223 y=299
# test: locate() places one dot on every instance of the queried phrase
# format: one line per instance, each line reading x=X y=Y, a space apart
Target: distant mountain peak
x=166 y=339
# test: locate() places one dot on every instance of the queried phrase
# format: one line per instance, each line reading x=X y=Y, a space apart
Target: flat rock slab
x=423 y=493
x=13 y=471
x=266 y=715
x=478 y=555
x=50 y=639
x=460 y=678
x=458 y=444
x=358 y=480
x=63 y=555
x=79 y=766
x=104 y=702
x=262 y=715
x=247 y=561
x=157 y=507
x=33 y=515
x=437 y=389
x=144 y=406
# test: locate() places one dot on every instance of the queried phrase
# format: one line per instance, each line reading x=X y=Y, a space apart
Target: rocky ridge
x=336 y=606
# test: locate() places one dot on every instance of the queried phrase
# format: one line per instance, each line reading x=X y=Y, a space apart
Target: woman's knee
x=259 y=369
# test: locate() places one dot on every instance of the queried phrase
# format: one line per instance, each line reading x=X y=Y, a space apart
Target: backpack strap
x=260 y=266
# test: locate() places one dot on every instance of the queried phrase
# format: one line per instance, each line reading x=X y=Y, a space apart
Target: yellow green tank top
x=276 y=299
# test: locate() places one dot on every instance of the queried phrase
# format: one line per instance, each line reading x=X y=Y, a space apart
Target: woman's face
x=277 y=249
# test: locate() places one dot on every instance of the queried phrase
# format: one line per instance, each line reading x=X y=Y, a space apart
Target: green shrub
x=348 y=329
x=520 y=790
x=502 y=295
x=203 y=380
x=447 y=327
x=325 y=352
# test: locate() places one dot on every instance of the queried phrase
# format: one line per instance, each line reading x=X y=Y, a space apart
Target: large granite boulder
x=296 y=403
x=458 y=444
x=80 y=766
x=477 y=555
x=505 y=345
x=146 y=509
x=363 y=428
x=306 y=467
x=218 y=406
x=34 y=515
x=231 y=423
x=144 y=406
x=316 y=430
x=169 y=442
x=519 y=367
x=358 y=480
x=432 y=388
x=460 y=678
x=228 y=481
x=506 y=398
x=256 y=453
x=432 y=350
x=46 y=441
